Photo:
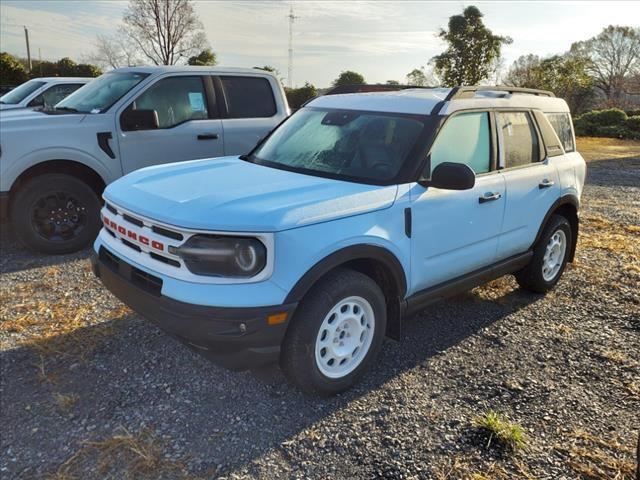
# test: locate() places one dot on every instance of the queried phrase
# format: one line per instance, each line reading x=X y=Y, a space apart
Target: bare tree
x=114 y=51
x=614 y=57
x=165 y=31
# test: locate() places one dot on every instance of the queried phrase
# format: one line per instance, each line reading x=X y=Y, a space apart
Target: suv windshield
x=20 y=93
x=98 y=95
x=361 y=146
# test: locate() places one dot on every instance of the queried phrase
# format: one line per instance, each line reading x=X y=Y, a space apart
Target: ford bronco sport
x=54 y=164
x=356 y=211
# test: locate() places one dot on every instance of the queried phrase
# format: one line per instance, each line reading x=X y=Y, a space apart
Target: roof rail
x=457 y=93
x=363 y=88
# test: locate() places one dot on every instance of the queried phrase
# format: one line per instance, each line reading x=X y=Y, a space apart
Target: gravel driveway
x=90 y=390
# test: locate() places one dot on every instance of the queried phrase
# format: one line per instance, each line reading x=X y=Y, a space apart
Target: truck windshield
x=20 y=93
x=100 y=94
x=360 y=146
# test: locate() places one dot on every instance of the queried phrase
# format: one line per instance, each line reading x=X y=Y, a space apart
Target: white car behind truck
x=55 y=164
x=44 y=92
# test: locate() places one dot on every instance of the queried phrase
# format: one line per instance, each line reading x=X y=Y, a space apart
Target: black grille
x=163 y=259
x=143 y=280
x=111 y=208
x=131 y=245
x=167 y=233
x=130 y=219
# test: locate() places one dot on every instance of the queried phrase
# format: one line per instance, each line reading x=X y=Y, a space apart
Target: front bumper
x=235 y=338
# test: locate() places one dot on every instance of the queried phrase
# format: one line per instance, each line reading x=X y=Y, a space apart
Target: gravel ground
x=90 y=390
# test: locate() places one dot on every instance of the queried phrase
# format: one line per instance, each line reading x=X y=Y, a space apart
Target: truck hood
x=230 y=194
x=28 y=118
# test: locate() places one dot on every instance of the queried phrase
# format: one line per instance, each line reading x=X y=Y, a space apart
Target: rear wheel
x=549 y=257
x=56 y=213
x=335 y=334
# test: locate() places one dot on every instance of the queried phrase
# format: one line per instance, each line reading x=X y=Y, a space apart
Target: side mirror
x=133 y=119
x=452 y=176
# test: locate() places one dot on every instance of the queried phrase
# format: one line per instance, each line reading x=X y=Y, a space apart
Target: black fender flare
x=569 y=199
x=344 y=255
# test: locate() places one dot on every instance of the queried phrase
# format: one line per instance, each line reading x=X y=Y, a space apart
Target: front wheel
x=550 y=255
x=56 y=213
x=336 y=333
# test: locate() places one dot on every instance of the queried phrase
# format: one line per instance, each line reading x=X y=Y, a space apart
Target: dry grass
x=618 y=357
x=66 y=401
x=498 y=427
x=596 y=148
x=601 y=233
x=125 y=455
x=592 y=457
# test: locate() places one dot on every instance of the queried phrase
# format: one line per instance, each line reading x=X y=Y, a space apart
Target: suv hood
x=230 y=194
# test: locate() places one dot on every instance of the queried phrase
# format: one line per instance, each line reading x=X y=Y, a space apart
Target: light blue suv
x=356 y=211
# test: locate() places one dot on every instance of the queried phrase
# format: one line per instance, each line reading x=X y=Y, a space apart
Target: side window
x=519 y=139
x=561 y=123
x=464 y=139
x=176 y=100
x=248 y=97
x=53 y=95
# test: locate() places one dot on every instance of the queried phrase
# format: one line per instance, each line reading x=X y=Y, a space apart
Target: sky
x=383 y=40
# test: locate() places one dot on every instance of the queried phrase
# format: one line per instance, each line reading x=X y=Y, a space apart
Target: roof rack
x=363 y=88
x=457 y=93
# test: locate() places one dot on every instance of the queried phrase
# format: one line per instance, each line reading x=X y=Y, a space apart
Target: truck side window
x=561 y=123
x=519 y=139
x=176 y=100
x=55 y=94
x=464 y=139
x=248 y=97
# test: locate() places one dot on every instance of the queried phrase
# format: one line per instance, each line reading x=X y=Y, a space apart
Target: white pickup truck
x=54 y=164
x=43 y=92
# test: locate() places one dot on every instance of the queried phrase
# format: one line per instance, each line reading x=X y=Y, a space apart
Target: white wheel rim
x=554 y=255
x=345 y=336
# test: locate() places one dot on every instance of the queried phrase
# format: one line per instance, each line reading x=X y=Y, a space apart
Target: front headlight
x=216 y=256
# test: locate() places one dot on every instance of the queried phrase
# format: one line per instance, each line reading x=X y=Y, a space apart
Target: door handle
x=208 y=136
x=546 y=183
x=489 y=197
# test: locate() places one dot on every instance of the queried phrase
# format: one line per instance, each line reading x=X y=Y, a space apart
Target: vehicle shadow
x=14 y=257
x=138 y=376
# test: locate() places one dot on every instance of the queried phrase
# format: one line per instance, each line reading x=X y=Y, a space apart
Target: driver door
x=455 y=232
x=188 y=127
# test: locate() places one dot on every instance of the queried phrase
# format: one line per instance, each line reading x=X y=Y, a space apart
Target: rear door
x=189 y=126
x=249 y=111
x=531 y=180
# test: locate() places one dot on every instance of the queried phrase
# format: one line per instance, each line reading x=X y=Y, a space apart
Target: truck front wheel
x=336 y=333
x=55 y=213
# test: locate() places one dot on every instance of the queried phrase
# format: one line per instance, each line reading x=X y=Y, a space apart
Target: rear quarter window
x=248 y=97
x=561 y=123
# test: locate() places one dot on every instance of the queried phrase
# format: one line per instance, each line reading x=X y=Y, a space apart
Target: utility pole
x=291 y=18
x=26 y=36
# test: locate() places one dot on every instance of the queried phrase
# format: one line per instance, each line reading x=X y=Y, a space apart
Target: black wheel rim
x=58 y=217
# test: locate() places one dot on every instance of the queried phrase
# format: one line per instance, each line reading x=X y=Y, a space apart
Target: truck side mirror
x=134 y=119
x=451 y=176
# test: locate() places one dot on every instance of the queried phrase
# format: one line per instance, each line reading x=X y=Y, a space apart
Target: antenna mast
x=291 y=18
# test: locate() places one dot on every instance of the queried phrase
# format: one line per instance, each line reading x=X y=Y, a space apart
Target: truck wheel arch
x=68 y=167
x=372 y=260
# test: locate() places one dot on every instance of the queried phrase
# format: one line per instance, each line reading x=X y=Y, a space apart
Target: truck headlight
x=217 y=256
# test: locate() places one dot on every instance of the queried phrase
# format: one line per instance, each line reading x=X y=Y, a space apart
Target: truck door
x=249 y=111
x=188 y=124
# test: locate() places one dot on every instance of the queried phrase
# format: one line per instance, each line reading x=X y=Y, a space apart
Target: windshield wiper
x=67 y=109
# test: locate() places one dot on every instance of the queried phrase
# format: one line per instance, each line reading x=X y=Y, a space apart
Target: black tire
x=55 y=213
x=298 y=357
x=531 y=277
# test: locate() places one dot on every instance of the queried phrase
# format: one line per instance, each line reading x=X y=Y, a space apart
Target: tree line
x=603 y=71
